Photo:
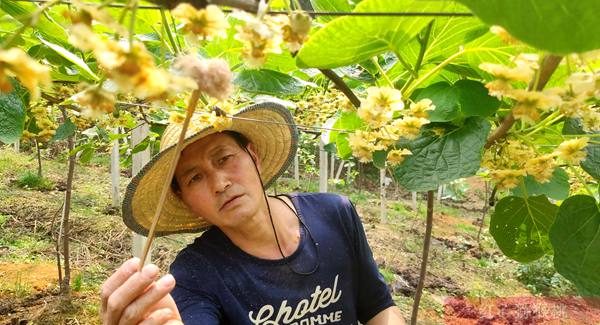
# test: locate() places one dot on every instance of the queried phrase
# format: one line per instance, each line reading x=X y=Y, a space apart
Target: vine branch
x=339 y=82
x=547 y=68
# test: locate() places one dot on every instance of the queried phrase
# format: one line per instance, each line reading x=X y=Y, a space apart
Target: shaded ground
x=460 y=266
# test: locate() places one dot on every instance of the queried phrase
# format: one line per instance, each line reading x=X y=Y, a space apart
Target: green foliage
x=556 y=26
x=345 y=121
x=12 y=117
x=32 y=181
x=541 y=277
x=64 y=131
x=438 y=160
x=591 y=163
x=270 y=82
x=520 y=226
x=574 y=237
x=463 y=98
x=557 y=188
x=350 y=40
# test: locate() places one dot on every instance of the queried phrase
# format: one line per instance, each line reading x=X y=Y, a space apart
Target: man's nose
x=221 y=182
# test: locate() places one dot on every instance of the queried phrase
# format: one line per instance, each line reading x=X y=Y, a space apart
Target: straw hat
x=274 y=136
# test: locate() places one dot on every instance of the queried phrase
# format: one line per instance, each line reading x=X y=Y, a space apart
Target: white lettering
x=289 y=315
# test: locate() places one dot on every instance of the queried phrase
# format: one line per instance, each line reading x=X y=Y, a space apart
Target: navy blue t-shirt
x=218 y=283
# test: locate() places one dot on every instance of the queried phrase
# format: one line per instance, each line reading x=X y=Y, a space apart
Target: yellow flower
x=503 y=34
x=260 y=37
x=502 y=72
x=14 y=62
x=176 y=117
x=516 y=154
x=86 y=13
x=363 y=145
x=409 y=127
x=528 y=103
x=591 y=120
x=507 y=178
x=421 y=108
x=295 y=31
x=204 y=23
x=380 y=105
x=95 y=101
x=396 y=157
x=571 y=151
x=541 y=168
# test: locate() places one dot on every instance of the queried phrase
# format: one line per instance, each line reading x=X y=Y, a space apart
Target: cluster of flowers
x=318 y=107
x=511 y=160
x=44 y=128
x=261 y=34
x=383 y=129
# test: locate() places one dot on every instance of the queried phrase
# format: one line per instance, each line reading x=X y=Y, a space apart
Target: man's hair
x=239 y=138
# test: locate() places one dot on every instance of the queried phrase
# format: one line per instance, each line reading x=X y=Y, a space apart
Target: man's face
x=218 y=182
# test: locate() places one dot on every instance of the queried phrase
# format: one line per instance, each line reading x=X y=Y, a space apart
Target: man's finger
x=123 y=296
x=158 y=317
x=140 y=307
x=111 y=284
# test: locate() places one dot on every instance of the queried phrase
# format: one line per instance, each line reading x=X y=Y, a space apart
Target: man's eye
x=224 y=159
x=195 y=178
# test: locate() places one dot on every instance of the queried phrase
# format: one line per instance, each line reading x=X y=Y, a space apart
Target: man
x=297 y=259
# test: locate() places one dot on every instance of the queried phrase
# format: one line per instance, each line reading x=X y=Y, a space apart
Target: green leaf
x=445 y=97
x=12 y=117
x=85 y=71
x=474 y=99
x=331 y=5
x=379 y=158
x=557 y=188
x=520 y=226
x=270 y=82
x=86 y=154
x=468 y=97
x=557 y=26
x=64 y=131
x=575 y=237
x=45 y=25
x=351 y=39
x=438 y=160
x=141 y=146
x=591 y=163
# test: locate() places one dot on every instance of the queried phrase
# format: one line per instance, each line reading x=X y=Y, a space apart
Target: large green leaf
x=64 y=131
x=520 y=226
x=557 y=188
x=270 y=82
x=591 y=163
x=82 y=67
x=556 y=26
x=464 y=97
x=438 y=160
x=349 y=40
x=331 y=5
x=575 y=237
x=12 y=117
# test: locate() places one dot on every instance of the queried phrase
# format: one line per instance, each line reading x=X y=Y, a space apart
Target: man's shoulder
x=320 y=198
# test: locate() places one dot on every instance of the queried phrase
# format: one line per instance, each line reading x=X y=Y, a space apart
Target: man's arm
x=388 y=316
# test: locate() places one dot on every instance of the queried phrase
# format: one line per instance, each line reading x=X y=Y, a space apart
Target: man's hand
x=133 y=297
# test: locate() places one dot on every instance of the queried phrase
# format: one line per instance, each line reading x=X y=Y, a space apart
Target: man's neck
x=256 y=237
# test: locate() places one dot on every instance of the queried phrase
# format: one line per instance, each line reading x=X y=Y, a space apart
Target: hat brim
x=269 y=127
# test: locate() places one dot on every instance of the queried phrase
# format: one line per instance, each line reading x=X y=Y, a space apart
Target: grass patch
x=32 y=181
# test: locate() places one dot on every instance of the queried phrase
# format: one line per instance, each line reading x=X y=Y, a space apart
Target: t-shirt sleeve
x=373 y=293
x=196 y=306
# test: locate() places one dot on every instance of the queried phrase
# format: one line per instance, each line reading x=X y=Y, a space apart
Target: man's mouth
x=230 y=201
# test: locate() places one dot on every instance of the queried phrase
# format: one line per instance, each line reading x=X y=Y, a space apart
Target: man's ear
x=254 y=154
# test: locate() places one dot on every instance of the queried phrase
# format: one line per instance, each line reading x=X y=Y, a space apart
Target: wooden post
x=297 y=170
x=139 y=160
x=323 y=162
x=414 y=201
x=115 y=171
x=440 y=192
x=332 y=170
x=18 y=146
x=382 y=185
x=339 y=171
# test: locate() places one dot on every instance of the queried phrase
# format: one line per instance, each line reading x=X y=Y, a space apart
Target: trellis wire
x=310 y=12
